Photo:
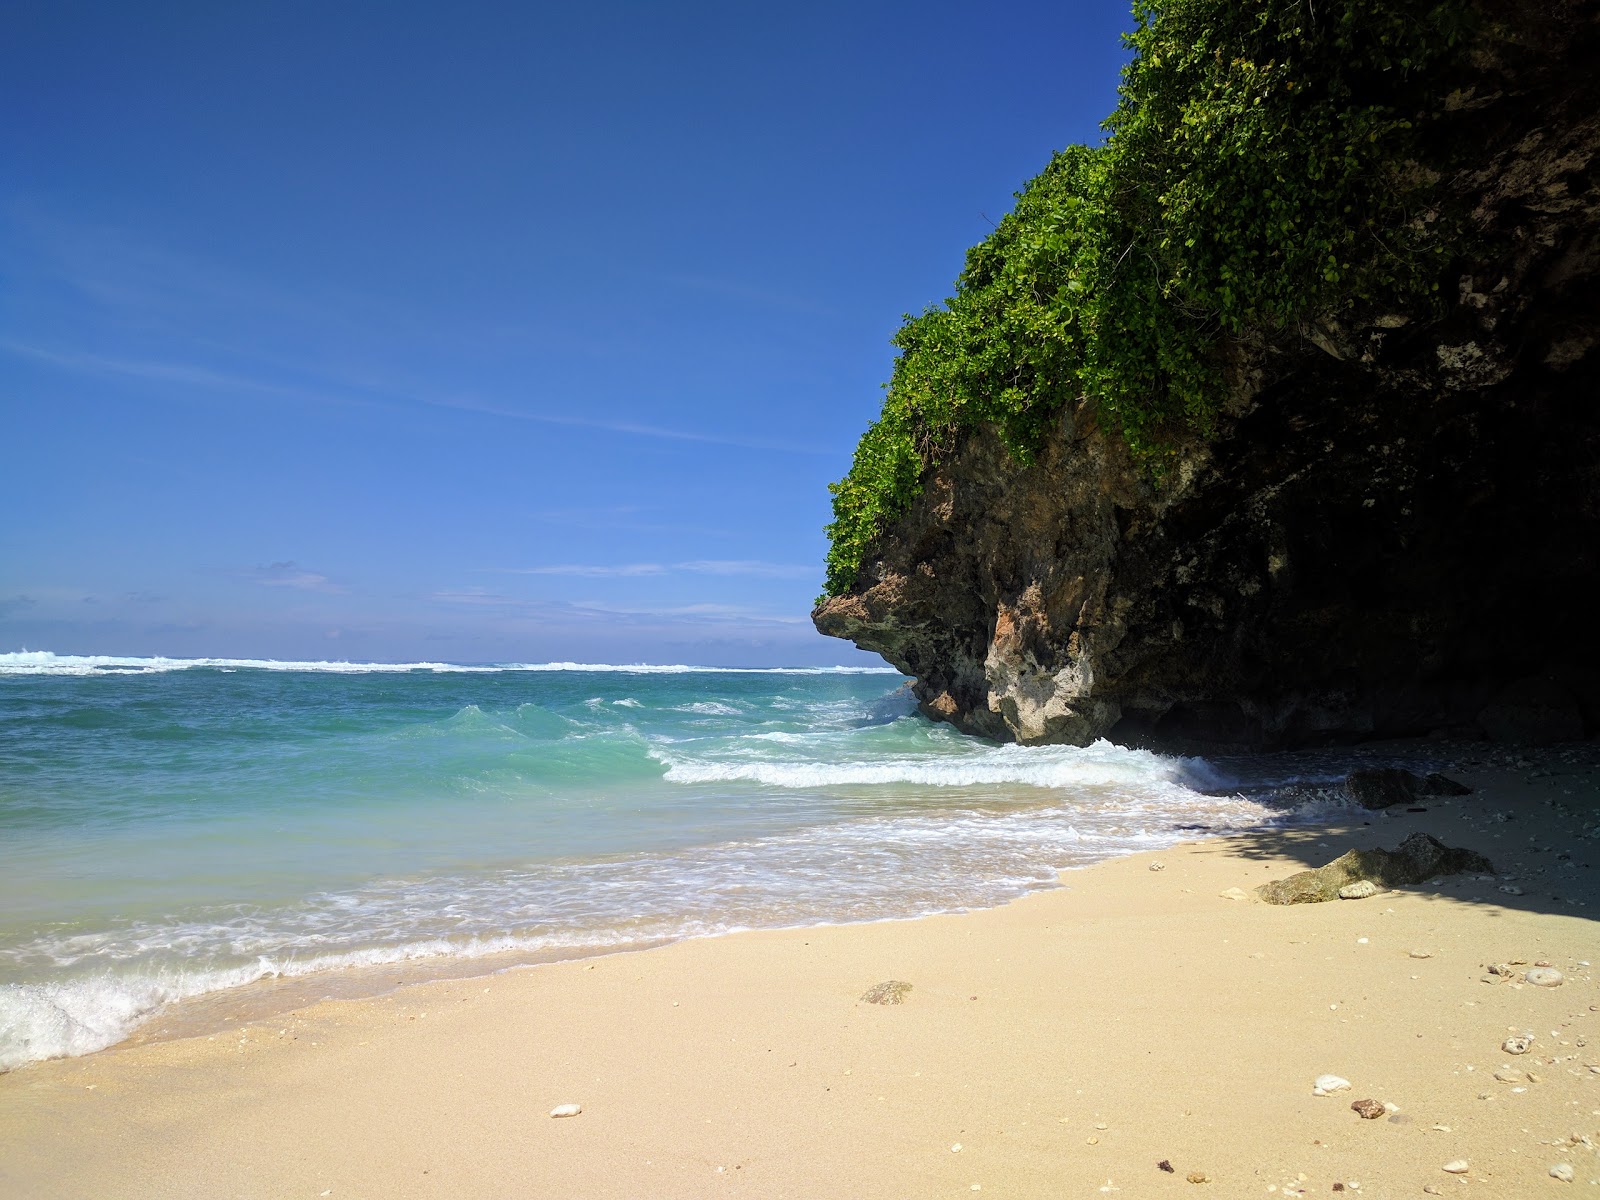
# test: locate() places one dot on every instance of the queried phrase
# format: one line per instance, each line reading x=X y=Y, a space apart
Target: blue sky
x=479 y=332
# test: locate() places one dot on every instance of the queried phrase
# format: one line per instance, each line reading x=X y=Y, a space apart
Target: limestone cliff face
x=1396 y=530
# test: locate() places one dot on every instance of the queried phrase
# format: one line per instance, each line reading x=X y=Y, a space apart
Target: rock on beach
x=1419 y=858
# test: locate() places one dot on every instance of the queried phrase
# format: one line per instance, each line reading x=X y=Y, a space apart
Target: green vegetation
x=1260 y=168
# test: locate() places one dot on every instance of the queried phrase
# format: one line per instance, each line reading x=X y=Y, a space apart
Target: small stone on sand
x=1545 y=977
x=1323 y=1085
x=1368 y=1110
x=1562 y=1171
x=566 y=1110
x=1234 y=893
x=1199 y=1177
x=1516 y=1045
x=1359 y=890
x=1422 y=954
x=1456 y=1166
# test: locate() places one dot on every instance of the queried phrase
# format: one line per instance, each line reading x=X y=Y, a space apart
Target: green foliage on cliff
x=1260 y=169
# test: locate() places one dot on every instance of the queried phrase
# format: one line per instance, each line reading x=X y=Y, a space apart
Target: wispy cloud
x=182 y=374
x=477 y=597
x=747 y=566
x=718 y=613
x=337 y=391
x=702 y=566
x=591 y=570
x=290 y=574
x=147 y=313
x=588 y=611
x=631 y=428
x=621 y=517
x=752 y=294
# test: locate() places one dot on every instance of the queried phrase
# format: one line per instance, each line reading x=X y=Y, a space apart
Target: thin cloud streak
x=159 y=372
x=718 y=613
x=588 y=571
x=627 y=427
x=742 y=291
x=748 y=567
x=190 y=375
x=289 y=574
x=590 y=610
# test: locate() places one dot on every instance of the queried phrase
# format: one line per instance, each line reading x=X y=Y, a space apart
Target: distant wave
x=43 y=662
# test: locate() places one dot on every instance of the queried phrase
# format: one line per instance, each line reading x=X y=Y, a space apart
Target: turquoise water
x=172 y=828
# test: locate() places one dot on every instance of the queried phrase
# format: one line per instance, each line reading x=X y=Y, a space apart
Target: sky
x=483 y=332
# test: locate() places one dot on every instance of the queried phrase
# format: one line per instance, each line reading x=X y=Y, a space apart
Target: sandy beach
x=1068 y=1044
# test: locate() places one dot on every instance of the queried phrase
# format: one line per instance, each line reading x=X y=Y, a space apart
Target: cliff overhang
x=1393 y=529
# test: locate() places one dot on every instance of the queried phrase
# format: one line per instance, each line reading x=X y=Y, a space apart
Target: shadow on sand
x=1534 y=814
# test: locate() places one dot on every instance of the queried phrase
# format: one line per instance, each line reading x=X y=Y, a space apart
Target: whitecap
x=44 y=662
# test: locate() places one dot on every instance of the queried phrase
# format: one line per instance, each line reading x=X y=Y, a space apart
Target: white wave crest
x=43 y=662
x=66 y=1018
x=1101 y=764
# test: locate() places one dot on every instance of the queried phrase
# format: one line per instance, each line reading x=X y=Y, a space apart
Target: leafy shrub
x=1258 y=170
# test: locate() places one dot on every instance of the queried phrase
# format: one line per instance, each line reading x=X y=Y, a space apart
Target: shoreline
x=1187 y=1025
x=269 y=996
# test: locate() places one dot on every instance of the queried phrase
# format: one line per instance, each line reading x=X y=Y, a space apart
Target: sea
x=173 y=829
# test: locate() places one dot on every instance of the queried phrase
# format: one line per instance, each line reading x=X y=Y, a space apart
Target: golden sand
x=1066 y=1045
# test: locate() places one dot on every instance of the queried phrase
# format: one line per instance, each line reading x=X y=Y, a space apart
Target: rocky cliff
x=1394 y=529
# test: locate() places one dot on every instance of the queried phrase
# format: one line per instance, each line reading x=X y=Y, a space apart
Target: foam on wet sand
x=1070 y=1043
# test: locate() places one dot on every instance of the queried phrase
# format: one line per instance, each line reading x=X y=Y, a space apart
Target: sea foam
x=1101 y=764
x=43 y=662
x=312 y=824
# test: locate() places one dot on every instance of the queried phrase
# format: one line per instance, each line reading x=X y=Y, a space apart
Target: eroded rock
x=1419 y=858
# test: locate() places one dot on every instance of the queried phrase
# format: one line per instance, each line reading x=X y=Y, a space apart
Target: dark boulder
x=1383 y=787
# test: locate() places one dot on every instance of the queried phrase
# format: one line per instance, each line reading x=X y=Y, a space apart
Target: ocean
x=171 y=829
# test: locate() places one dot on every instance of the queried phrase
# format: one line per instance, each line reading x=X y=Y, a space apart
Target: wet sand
x=1064 y=1045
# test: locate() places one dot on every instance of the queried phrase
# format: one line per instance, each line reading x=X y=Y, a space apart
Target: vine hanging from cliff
x=1261 y=167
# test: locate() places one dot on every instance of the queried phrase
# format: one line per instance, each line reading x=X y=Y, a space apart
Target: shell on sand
x=1323 y=1085
x=1517 y=1045
x=566 y=1110
x=1545 y=977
